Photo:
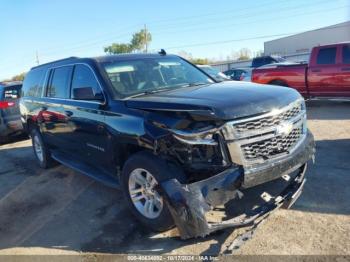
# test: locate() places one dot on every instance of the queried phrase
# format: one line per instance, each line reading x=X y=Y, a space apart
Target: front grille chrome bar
x=267 y=137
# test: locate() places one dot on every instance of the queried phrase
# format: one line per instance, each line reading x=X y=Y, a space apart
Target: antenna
x=37 y=57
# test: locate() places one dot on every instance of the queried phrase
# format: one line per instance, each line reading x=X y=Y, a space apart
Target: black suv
x=177 y=142
x=10 y=117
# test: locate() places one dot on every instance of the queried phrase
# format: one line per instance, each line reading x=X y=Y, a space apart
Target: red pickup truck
x=326 y=75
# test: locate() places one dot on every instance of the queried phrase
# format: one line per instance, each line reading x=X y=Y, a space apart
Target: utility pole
x=37 y=57
x=146 y=40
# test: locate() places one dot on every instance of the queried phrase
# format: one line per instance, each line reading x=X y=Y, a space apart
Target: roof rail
x=56 y=61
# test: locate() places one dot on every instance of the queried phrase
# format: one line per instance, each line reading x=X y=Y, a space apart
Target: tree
x=19 y=77
x=139 y=42
x=244 y=54
x=118 y=48
x=199 y=61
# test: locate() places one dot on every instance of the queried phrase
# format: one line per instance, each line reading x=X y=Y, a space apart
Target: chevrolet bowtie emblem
x=284 y=129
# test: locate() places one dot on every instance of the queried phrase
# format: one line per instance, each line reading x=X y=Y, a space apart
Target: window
x=33 y=83
x=12 y=92
x=346 y=54
x=59 y=87
x=326 y=56
x=84 y=77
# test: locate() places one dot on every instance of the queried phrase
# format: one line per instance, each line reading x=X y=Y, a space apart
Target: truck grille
x=269 y=121
x=272 y=147
x=257 y=139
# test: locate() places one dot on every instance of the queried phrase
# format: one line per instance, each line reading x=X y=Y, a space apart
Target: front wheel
x=141 y=177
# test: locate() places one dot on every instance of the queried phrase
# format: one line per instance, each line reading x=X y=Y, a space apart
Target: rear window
x=346 y=54
x=326 y=56
x=33 y=83
x=12 y=92
x=60 y=81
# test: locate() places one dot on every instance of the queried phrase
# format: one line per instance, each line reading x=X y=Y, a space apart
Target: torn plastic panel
x=189 y=203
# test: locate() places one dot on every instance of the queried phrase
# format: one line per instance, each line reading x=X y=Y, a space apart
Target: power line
x=236 y=14
x=201 y=27
x=249 y=38
x=190 y=30
x=84 y=44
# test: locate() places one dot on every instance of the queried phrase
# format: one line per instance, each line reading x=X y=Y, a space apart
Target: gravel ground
x=59 y=211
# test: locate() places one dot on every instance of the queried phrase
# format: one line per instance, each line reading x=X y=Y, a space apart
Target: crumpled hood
x=226 y=100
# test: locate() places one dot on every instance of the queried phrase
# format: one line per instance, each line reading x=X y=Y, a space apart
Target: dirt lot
x=59 y=211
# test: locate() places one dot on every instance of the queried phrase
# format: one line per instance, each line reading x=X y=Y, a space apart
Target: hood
x=226 y=100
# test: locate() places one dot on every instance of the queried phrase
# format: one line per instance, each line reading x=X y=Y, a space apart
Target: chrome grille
x=272 y=147
x=257 y=139
x=269 y=121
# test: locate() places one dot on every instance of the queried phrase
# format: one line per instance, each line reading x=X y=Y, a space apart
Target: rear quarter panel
x=292 y=76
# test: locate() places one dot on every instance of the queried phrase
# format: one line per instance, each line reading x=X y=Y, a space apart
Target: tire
x=42 y=154
x=143 y=164
x=278 y=83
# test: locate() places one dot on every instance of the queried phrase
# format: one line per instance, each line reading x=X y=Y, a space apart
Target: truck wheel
x=40 y=149
x=278 y=83
x=140 y=180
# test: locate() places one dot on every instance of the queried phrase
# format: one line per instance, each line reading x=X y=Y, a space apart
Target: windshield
x=147 y=75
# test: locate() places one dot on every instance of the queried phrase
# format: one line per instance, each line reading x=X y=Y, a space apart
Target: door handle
x=345 y=69
x=316 y=70
x=68 y=113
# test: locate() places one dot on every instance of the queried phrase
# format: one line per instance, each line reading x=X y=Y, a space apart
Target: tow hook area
x=189 y=203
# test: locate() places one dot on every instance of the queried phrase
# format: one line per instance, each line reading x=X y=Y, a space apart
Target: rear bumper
x=189 y=203
x=10 y=127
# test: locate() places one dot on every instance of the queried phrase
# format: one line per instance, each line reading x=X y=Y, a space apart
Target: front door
x=343 y=78
x=89 y=135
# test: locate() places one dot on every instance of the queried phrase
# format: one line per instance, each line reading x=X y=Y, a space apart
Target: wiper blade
x=195 y=84
x=149 y=92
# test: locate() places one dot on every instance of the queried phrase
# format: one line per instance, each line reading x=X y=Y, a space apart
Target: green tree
x=139 y=42
x=118 y=48
x=199 y=61
x=19 y=77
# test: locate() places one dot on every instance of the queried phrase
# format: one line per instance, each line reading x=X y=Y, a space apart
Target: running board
x=93 y=172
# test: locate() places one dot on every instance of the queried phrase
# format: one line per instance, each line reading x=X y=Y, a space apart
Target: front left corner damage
x=189 y=203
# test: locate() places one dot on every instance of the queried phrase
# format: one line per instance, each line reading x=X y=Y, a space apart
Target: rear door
x=54 y=120
x=323 y=71
x=343 y=78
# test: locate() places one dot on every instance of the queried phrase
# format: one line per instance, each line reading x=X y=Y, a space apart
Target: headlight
x=196 y=138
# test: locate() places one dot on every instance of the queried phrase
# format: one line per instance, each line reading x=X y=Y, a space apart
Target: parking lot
x=59 y=211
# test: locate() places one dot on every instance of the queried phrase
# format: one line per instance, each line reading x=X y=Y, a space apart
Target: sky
x=205 y=28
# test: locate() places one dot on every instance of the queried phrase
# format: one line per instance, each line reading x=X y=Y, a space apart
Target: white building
x=298 y=47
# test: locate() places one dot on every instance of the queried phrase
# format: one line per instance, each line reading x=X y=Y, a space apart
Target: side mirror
x=86 y=93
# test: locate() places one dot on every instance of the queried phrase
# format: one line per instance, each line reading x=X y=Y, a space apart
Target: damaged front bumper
x=189 y=203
